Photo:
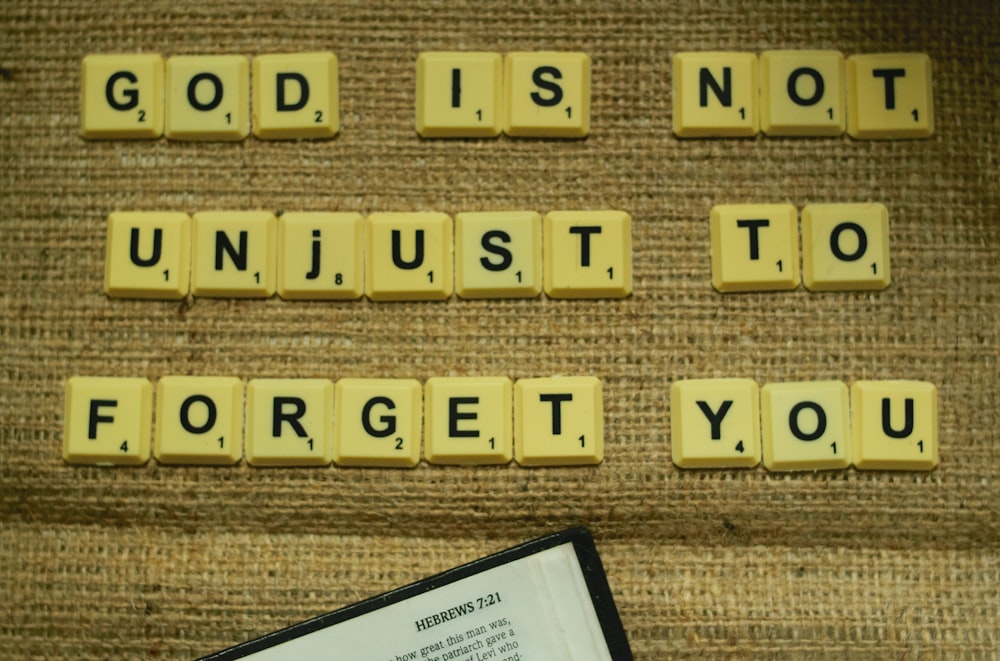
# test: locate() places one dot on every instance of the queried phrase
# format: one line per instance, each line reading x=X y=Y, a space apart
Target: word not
x=386 y=256
x=802 y=93
x=208 y=97
x=815 y=425
x=540 y=94
x=355 y=422
x=755 y=247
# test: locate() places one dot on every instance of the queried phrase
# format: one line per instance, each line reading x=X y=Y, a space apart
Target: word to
x=755 y=247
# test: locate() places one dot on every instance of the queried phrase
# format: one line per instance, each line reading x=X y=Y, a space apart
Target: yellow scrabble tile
x=558 y=421
x=109 y=420
x=805 y=426
x=320 y=256
x=377 y=422
x=289 y=422
x=755 y=247
x=802 y=92
x=588 y=254
x=121 y=96
x=889 y=95
x=208 y=97
x=459 y=94
x=468 y=420
x=199 y=420
x=148 y=255
x=845 y=247
x=715 y=423
x=547 y=94
x=295 y=95
x=498 y=254
x=895 y=425
x=233 y=254
x=409 y=256
x=715 y=95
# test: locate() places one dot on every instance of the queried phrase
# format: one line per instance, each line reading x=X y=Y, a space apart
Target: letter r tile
x=289 y=422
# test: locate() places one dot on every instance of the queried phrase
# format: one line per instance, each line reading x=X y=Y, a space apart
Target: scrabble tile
x=715 y=95
x=588 y=254
x=148 y=255
x=409 y=256
x=889 y=95
x=289 y=422
x=558 y=421
x=233 y=254
x=459 y=94
x=295 y=95
x=320 y=255
x=802 y=93
x=755 y=247
x=468 y=420
x=199 y=420
x=715 y=423
x=108 y=420
x=498 y=254
x=378 y=422
x=895 y=425
x=805 y=426
x=547 y=94
x=121 y=96
x=208 y=97
x=845 y=247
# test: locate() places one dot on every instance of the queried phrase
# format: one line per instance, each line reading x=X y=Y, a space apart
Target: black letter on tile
x=96 y=417
x=389 y=420
x=557 y=401
x=793 y=421
x=907 y=423
x=753 y=226
x=210 y=416
x=291 y=418
x=506 y=259
x=555 y=88
x=239 y=257
x=131 y=95
x=835 y=242
x=889 y=76
x=585 y=232
x=303 y=92
x=793 y=92
x=454 y=416
x=456 y=88
x=724 y=93
x=418 y=251
x=133 y=251
x=715 y=419
x=314 y=271
x=193 y=98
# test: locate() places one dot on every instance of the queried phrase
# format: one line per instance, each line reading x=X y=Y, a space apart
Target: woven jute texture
x=173 y=562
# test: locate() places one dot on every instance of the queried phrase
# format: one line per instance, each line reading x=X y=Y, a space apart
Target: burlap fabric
x=170 y=562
